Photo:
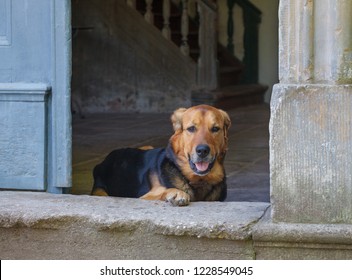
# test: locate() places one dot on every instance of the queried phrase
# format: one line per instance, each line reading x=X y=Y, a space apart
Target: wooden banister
x=184 y=28
x=149 y=16
x=207 y=62
x=166 y=17
x=131 y=3
x=207 y=76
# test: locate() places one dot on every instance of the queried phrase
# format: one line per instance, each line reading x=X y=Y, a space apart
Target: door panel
x=23 y=145
x=5 y=22
x=35 y=121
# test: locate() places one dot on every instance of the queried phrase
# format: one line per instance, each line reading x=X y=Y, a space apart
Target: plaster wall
x=268 y=44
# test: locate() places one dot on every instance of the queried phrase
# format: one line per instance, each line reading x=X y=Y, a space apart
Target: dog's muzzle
x=201 y=162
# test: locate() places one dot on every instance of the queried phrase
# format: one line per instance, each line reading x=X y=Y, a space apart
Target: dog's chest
x=201 y=189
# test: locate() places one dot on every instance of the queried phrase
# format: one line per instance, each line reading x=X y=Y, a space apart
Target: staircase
x=222 y=79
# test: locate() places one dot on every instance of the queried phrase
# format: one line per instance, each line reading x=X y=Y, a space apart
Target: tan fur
x=156 y=191
x=159 y=192
x=145 y=148
x=176 y=197
x=99 y=192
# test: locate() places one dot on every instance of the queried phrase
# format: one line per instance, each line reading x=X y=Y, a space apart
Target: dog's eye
x=215 y=129
x=191 y=129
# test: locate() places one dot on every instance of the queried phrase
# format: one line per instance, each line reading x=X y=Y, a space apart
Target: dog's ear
x=227 y=120
x=176 y=119
x=227 y=123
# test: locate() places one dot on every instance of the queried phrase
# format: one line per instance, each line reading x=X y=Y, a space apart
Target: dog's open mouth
x=202 y=167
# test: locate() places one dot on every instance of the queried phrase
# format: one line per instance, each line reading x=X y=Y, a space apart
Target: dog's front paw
x=177 y=197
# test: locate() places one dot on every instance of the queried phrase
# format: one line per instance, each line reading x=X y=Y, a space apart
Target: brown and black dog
x=190 y=168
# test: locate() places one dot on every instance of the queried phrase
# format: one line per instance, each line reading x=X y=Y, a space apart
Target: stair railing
x=166 y=31
x=207 y=64
x=131 y=3
x=149 y=16
x=207 y=75
x=185 y=29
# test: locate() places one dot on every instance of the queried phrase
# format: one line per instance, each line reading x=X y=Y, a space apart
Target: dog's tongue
x=202 y=166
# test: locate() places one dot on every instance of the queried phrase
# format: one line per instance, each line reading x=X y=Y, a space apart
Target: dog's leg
x=98 y=185
x=158 y=192
x=176 y=197
x=145 y=148
x=156 y=189
x=99 y=192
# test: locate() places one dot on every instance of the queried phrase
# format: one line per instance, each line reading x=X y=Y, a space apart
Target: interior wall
x=268 y=44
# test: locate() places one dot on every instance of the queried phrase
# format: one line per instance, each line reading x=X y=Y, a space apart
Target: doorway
x=97 y=133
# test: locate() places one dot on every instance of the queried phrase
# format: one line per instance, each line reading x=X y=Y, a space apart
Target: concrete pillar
x=311 y=114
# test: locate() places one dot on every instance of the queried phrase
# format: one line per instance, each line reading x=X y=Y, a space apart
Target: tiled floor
x=247 y=161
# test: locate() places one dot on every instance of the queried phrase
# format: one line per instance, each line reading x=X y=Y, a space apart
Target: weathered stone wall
x=311 y=121
x=123 y=63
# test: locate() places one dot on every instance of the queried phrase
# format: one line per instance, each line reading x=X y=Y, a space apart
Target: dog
x=190 y=168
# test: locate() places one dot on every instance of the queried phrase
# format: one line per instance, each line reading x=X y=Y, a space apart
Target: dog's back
x=124 y=172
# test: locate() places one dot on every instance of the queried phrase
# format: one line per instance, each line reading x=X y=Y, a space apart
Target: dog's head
x=200 y=141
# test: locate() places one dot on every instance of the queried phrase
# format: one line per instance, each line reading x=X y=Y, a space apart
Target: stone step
x=231 y=96
x=229 y=75
x=240 y=95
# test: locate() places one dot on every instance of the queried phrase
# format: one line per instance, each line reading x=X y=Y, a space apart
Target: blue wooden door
x=35 y=70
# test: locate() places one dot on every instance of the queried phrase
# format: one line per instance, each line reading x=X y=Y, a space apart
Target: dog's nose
x=202 y=150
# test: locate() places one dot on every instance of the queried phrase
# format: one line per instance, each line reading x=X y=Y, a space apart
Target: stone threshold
x=49 y=226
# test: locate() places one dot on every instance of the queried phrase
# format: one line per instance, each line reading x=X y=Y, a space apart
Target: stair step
x=230 y=75
x=240 y=95
x=238 y=90
x=231 y=96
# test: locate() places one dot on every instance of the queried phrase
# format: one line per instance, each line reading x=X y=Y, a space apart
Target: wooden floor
x=247 y=161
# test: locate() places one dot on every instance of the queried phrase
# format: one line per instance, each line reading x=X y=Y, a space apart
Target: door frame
x=59 y=112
